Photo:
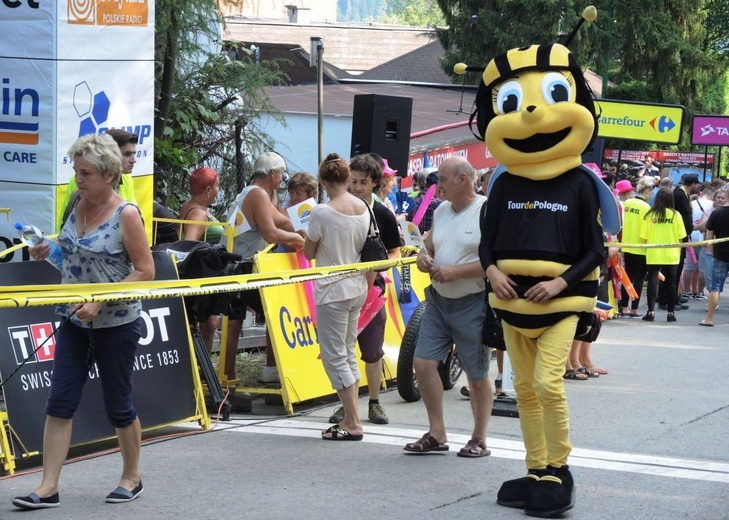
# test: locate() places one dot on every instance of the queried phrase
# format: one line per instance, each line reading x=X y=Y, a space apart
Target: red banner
x=476 y=153
x=662 y=156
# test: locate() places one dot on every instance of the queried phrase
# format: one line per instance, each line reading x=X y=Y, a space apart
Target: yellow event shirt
x=663 y=231
x=633 y=212
x=125 y=189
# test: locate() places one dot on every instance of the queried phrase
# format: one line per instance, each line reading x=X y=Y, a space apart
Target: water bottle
x=32 y=236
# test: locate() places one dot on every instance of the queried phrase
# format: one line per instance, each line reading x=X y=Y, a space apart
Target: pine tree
x=476 y=31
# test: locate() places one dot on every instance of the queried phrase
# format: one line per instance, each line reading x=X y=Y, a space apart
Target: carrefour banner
x=294 y=335
x=640 y=121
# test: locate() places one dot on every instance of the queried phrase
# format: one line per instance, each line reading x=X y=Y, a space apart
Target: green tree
x=717 y=26
x=673 y=54
x=200 y=93
x=661 y=51
x=418 y=13
x=476 y=30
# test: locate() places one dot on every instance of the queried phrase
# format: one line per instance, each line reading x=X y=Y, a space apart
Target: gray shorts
x=719 y=270
x=455 y=320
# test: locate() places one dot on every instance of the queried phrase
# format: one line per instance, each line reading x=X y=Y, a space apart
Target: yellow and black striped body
x=524 y=314
x=537 y=230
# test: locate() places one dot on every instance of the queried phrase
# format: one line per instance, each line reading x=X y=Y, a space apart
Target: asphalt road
x=649 y=443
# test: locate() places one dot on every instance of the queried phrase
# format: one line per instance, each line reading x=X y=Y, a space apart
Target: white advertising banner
x=69 y=68
x=27 y=29
x=27 y=129
x=28 y=204
x=93 y=97
x=105 y=30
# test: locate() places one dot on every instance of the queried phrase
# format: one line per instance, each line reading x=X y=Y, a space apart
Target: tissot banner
x=163 y=384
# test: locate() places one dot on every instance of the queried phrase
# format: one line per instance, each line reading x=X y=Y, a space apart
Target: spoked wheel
x=407 y=384
x=450 y=370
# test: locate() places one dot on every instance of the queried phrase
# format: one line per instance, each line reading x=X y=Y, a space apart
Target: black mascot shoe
x=513 y=493
x=552 y=495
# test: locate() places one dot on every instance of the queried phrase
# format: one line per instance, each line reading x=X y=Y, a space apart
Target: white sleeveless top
x=98 y=257
x=251 y=241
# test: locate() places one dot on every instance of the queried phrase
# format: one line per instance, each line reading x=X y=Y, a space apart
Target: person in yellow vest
x=662 y=225
x=634 y=209
x=127 y=143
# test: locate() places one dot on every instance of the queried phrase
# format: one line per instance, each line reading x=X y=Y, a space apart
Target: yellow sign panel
x=640 y=121
x=294 y=336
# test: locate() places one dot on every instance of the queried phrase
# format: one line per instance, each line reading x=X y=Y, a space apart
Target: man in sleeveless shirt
x=266 y=225
x=456 y=308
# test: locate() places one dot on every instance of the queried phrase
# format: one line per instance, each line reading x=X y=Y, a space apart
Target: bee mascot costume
x=541 y=245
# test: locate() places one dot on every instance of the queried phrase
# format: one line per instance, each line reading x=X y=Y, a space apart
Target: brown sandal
x=474 y=448
x=588 y=372
x=425 y=444
x=575 y=374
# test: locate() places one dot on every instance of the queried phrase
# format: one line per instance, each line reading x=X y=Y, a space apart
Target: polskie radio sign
x=126 y=13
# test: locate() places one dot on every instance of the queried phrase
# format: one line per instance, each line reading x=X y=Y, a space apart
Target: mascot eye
x=556 y=88
x=509 y=97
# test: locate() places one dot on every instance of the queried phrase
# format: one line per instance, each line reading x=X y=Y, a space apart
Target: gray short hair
x=463 y=166
x=266 y=162
x=102 y=151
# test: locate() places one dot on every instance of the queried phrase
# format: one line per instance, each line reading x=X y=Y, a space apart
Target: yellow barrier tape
x=36 y=295
x=665 y=246
x=411 y=249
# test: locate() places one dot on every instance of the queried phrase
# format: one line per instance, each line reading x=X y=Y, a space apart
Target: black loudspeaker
x=381 y=124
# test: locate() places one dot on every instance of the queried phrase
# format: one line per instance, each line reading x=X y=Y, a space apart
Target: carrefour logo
x=662 y=124
x=19 y=109
x=93 y=111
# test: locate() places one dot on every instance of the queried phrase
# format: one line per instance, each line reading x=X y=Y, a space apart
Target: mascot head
x=535 y=110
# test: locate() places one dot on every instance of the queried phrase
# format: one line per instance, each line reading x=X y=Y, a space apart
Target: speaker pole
x=463 y=89
x=317 y=49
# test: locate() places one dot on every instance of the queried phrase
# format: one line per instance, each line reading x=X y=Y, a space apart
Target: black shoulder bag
x=373 y=249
